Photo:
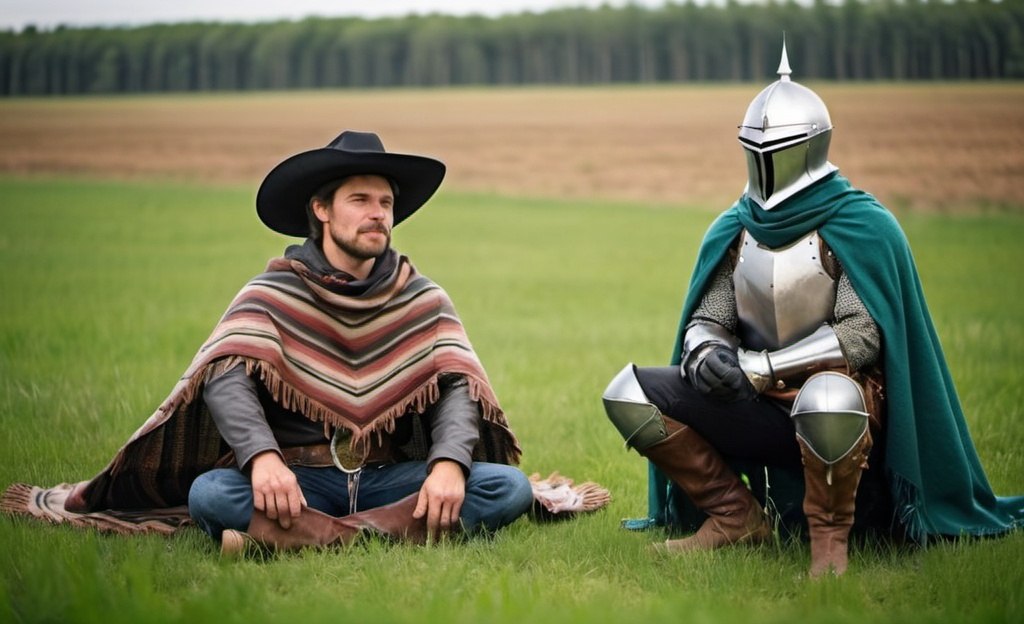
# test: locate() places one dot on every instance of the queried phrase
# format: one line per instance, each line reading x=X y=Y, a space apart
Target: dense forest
x=678 y=42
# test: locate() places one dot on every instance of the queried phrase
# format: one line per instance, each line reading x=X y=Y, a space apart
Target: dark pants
x=759 y=429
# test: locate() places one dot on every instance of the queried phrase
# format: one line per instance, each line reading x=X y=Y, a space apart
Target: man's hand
x=275 y=490
x=441 y=496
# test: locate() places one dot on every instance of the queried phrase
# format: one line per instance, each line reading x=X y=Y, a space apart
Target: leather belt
x=319 y=456
x=315 y=456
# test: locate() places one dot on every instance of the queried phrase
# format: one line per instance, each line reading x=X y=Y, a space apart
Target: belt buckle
x=344 y=458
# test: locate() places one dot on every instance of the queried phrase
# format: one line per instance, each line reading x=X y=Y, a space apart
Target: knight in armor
x=806 y=347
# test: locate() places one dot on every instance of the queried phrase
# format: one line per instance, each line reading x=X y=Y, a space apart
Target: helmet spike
x=784 y=70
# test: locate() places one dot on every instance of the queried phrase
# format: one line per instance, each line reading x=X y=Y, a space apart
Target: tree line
x=678 y=42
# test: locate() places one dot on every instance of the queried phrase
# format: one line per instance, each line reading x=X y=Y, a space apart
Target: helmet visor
x=769 y=172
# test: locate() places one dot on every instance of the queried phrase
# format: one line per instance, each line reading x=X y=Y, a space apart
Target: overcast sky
x=16 y=14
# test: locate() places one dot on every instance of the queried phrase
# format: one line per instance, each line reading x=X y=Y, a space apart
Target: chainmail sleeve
x=713 y=322
x=719 y=301
x=857 y=331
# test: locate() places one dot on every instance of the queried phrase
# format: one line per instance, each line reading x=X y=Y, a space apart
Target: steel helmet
x=785 y=136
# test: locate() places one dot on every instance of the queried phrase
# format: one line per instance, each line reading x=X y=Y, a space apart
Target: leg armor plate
x=638 y=420
x=831 y=419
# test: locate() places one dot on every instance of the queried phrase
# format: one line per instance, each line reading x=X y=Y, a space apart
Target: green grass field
x=107 y=289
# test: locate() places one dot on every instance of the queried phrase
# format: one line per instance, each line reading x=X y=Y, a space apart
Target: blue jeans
x=496 y=494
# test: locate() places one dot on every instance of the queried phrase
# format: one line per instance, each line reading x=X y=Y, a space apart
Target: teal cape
x=936 y=480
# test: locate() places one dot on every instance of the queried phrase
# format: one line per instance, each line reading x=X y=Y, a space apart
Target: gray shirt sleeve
x=233 y=401
x=234 y=404
x=454 y=424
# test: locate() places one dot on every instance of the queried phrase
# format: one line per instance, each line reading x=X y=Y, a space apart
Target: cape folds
x=357 y=362
x=937 y=482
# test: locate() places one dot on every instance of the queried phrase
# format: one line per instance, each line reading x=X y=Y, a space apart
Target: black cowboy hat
x=282 y=198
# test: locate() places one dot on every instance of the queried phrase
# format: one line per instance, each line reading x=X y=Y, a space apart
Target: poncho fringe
x=417 y=401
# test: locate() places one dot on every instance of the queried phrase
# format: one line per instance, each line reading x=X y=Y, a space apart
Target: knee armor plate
x=638 y=420
x=830 y=415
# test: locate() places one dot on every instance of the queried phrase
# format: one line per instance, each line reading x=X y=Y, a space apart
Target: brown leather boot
x=829 y=503
x=315 y=528
x=734 y=515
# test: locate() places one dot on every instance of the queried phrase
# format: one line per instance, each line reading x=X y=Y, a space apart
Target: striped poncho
x=348 y=359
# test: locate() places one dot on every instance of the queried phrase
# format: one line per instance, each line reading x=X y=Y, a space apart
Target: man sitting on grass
x=338 y=395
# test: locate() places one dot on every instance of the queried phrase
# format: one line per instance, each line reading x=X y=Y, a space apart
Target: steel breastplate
x=782 y=295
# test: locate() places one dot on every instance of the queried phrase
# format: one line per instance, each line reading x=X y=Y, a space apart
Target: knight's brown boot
x=734 y=515
x=829 y=504
x=315 y=528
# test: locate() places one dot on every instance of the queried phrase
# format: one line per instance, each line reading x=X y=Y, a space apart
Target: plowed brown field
x=936 y=146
